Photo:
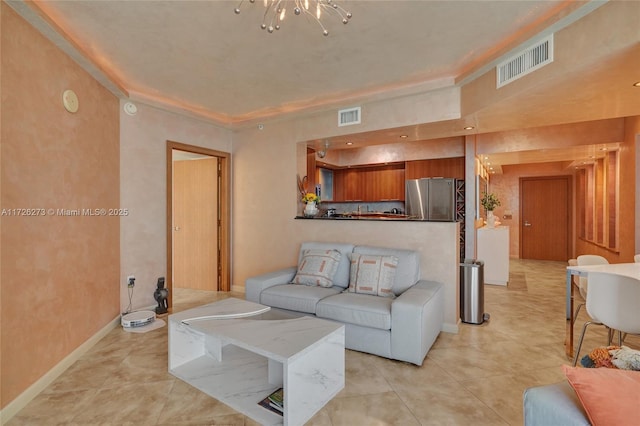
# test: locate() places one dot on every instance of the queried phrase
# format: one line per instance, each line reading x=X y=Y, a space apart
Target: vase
x=491 y=219
x=310 y=210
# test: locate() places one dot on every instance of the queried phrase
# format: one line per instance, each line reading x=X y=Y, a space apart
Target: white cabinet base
x=493 y=250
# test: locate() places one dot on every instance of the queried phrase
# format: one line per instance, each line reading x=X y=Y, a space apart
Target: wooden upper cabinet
x=376 y=183
x=353 y=185
x=312 y=171
x=438 y=167
x=384 y=183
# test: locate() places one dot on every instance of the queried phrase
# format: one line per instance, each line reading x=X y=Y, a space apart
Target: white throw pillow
x=372 y=274
x=317 y=267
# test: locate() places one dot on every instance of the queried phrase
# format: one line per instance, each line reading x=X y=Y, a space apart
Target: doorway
x=545 y=217
x=198 y=218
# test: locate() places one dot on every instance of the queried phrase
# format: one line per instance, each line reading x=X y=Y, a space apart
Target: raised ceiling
x=200 y=58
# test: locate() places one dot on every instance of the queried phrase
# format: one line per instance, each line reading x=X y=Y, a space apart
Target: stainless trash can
x=472 y=292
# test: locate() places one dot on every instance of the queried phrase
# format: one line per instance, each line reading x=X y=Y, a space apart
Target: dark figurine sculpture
x=161 y=295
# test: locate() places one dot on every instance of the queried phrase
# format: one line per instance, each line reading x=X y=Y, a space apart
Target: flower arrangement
x=310 y=197
x=489 y=201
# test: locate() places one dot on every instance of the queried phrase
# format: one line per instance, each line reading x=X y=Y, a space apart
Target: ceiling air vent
x=349 y=116
x=525 y=62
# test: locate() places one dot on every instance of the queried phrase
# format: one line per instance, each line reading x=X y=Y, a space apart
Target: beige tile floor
x=474 y=377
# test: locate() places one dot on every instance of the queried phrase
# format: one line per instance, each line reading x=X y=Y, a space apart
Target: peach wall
x=506 y=185
x=267 y=237
x=427 y=107
x=627 y=200
x=59 y=273
x=552 y=137
x=143 y=140
x=408 y=151
x=578 y=51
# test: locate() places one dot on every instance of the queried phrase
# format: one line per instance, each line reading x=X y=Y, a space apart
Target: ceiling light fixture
x=323 y=153
x=276 y=10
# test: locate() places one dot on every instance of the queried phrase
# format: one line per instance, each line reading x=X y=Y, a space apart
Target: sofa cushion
x=608 y=395
x=341 y=278
x=359 y=309
x=372 y=274
x=317 y=267
x=293 y=297
x=408 y=268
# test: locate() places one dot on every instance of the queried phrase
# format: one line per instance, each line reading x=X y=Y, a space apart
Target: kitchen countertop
x=366 y=216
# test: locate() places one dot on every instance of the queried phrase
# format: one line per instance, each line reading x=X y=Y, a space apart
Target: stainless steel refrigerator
x=431 y=199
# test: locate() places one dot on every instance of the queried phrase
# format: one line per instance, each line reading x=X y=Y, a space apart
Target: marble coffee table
x=239 y=352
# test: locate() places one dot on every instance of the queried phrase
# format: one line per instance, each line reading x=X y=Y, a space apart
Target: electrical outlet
x=131 y=281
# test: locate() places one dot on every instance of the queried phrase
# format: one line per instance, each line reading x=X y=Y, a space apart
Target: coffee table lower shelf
x=241 y=361
x=241 y=383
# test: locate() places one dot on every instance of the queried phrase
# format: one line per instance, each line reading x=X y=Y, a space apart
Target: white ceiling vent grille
x=349 y=116
x=525 y=62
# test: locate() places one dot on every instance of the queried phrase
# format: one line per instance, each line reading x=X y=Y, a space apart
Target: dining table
x=626 y=269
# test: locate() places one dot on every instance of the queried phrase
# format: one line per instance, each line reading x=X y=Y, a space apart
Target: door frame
x=570 y=214
x=224 y=213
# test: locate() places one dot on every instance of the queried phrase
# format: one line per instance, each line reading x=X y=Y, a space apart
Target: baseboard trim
x=450 y=328
x=32 y=391
x=237 y=288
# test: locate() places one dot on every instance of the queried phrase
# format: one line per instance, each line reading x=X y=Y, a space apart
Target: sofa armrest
x=417 y=316
x=555 y=404
x=255 y=285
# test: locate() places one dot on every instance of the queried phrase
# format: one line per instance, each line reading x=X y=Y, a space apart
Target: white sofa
x=401 y=328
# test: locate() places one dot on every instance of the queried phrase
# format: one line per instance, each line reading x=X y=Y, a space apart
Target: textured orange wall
x=59 y=276
x=506 y=187
x=627 y=193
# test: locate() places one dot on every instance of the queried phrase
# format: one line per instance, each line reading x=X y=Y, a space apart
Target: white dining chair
x=636 y=258
x=585 y=260
x=613 y=301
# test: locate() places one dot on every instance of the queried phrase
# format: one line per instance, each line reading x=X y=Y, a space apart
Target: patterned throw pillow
x=317 y=267
x=372 y=274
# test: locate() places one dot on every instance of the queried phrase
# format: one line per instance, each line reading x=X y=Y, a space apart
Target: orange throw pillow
x=609 y=396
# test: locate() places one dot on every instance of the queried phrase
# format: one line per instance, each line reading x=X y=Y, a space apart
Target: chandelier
x=276 y=10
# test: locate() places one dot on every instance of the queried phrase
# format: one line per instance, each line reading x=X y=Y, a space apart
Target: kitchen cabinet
x=385 y=184
x=369 y=184
x=348 y=185
x=353 y=185
x=437 y=167
x=493 y=250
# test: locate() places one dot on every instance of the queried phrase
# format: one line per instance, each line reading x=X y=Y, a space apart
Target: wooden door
x=545 y=218
x=195 y=224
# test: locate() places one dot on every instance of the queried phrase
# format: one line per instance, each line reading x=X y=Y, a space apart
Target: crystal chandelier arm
x=275 y=11
x=325 y=5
